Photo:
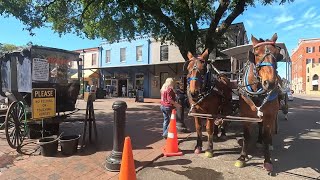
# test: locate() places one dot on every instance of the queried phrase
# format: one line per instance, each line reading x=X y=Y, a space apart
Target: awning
x=241 y=52
x=88 y=73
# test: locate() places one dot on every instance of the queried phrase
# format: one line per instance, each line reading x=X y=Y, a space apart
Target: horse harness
x=244 y=86
x=208 y=80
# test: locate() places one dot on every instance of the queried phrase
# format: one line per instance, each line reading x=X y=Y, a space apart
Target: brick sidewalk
x=143 y=125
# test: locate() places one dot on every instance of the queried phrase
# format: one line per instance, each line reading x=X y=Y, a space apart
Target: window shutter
x=313 y=49
x=306 y=49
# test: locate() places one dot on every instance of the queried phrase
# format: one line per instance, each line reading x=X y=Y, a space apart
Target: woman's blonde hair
x=169 y=83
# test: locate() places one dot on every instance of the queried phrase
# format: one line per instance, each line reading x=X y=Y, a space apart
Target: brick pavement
x=143 y=125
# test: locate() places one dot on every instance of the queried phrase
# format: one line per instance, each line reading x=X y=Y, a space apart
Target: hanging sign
x=40 y=69
x=43 y=103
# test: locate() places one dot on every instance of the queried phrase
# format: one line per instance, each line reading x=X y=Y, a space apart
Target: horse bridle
x=194 y=68
x=248 y=92
x=205 y=91
x=257 y=67
x=261 y=63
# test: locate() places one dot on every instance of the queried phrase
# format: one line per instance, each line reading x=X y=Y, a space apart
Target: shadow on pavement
x=299 y=138
x=172 y=162
x=197 y=173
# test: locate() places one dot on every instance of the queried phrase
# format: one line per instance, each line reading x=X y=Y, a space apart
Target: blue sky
x=293 y=21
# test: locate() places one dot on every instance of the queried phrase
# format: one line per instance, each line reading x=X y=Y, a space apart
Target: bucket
x=69 y=144
x=48 y=146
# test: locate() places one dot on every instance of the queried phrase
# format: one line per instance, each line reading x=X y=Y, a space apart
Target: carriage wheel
x=14 y=124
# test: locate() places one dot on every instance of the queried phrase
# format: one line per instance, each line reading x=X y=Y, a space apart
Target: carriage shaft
x=226 y=118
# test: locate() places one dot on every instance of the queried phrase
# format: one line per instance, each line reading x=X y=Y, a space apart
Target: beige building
x=312 y=77
x=89 y=66
x=167 y=62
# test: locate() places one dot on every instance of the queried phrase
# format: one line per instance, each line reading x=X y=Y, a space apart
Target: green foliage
x=176 y=20
x=7 y=48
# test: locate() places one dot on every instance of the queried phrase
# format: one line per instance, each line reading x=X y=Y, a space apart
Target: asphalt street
x=295 y=155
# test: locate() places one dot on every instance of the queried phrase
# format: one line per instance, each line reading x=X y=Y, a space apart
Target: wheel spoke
x=12 y=132
x=20 y=137
x=13 y=139
x=12 y=115
x=20 y=114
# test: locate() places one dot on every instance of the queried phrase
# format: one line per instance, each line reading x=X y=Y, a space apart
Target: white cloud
x=310 y=13
x=284 y=18
x=249 y=23
x=293 y=26
x=316 y=25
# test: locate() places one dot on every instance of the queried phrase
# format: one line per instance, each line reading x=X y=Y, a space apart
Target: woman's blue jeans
x=166 y=111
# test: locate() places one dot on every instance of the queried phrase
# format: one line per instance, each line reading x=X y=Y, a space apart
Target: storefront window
x=139 y=81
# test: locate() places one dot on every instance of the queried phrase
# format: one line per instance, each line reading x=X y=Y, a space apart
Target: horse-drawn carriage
x=259 y=88
x=36 y=86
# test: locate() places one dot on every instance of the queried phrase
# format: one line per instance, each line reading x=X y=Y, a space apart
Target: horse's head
x=264 y=57
x=197 y=67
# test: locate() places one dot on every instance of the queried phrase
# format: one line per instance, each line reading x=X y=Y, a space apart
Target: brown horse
x=259 y=95
x=207 y=94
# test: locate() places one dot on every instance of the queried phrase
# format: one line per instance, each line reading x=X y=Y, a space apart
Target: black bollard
x=113 y=161
x=181 y=127
x=181 y=96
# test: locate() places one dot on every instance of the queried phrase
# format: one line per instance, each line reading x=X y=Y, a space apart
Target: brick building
x=307 y=52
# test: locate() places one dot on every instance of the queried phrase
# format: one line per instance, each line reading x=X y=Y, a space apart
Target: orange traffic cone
x=171 y=148
x=127 y=169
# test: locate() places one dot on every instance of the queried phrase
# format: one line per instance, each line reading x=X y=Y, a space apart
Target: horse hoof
x=270 y=148
x=259 y=145
x=198 y=150
x=240 y=164
x=268 y=167
x=208 y=154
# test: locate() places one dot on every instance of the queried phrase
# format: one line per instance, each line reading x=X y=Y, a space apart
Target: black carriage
x=36 y=85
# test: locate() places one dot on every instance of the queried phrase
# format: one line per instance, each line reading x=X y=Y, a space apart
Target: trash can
x=139 y=95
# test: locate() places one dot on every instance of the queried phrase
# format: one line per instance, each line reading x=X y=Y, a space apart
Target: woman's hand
x=177 y=105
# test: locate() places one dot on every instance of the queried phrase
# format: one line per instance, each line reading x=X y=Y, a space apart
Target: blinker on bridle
x=195 y=68
x=267 y=52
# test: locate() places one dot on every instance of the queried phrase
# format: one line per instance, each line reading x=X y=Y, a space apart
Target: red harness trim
x=264 y=43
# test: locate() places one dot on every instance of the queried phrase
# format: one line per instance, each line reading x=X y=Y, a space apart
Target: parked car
x=290 y=96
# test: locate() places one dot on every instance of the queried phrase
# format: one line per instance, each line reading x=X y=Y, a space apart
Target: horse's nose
x=194 y=94
x=267 y=85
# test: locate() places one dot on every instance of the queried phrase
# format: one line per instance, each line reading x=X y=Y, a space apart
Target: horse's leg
x=267 y=140
x=259 y=141
x=209 y=128
x=198 y=148
x=215 y=131
x=244 y=152
x=223 y=135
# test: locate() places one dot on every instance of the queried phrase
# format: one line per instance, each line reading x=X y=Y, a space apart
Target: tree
x=7 y=47
x=179 y=21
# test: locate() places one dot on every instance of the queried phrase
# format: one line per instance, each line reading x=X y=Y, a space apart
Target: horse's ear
x=189 y=55
x=205 y=54
x=254 y=40
x=274 y=37
x=251 y=57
